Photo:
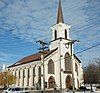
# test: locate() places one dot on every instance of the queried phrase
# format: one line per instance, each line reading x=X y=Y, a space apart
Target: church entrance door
x=51 y=82
x=68 y=82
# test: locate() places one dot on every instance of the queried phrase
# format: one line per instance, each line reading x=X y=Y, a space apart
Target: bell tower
x=60 y=30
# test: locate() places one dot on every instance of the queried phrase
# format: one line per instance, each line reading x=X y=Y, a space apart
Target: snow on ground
x=83 y=92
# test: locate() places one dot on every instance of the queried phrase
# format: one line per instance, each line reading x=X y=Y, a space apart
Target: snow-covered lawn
x=84 y=92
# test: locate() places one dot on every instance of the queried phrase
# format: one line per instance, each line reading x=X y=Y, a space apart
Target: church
x=57 y=67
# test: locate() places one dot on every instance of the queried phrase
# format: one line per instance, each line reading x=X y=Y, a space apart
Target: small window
x=65 y=33
x=55 y=33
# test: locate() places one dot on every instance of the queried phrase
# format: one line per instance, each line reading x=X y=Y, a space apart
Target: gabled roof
x=33 y=57
x=50 y=52
x=77 y=58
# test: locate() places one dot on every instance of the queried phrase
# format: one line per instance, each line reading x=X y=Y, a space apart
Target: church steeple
x=60 y=30
x=60 y=14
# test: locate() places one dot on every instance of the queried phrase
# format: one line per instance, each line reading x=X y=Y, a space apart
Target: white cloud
x=31 y=19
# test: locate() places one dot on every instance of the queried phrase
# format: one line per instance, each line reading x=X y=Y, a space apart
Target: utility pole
x=72 y=68
x=43 y=47
x=71 y=43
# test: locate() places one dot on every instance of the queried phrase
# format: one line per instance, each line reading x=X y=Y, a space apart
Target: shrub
x=82 y=88
x=98 y=87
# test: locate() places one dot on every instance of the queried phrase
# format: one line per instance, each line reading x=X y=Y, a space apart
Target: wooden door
x=51 y=82
x=68 y=82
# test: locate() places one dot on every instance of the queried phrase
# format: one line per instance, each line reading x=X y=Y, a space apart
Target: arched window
x=28 y=71
x=19 y=73
x=33 y=71
x=15 y=73
x=51 y=67
x=65 y=33
x=23 y=76
x=76 y=68
x=39 y=76
x=39 y=71
x=55 y=34
x=33 y=75
x=67 y=62
x=78 y=83
x=24 y=73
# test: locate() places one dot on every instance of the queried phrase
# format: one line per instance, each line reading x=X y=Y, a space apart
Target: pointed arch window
x=24 y=73
x=76 y=68
x=51 y=67
x=67 y=62
x=39 y=71
x=23 y=76
x=39 y=76
x=65 y=33
x=28 y=71
x=33 y=71
x=19 y=73
x=55 y=34
x=15 y=73
x=33 y=75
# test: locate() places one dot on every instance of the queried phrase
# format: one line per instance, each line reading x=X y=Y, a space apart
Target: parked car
x=16 y=90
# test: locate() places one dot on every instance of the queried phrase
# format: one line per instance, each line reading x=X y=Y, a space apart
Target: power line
x=78 y=52
x=48 y=36
x=87 y=49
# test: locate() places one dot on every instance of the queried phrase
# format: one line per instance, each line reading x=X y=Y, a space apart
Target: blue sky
x=23 y=22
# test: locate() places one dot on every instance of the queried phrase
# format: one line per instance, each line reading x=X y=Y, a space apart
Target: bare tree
x=98 y=69
x=7 y=78
x=92 y=73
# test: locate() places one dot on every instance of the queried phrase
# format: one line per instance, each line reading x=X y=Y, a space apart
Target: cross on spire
x=60 y=14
